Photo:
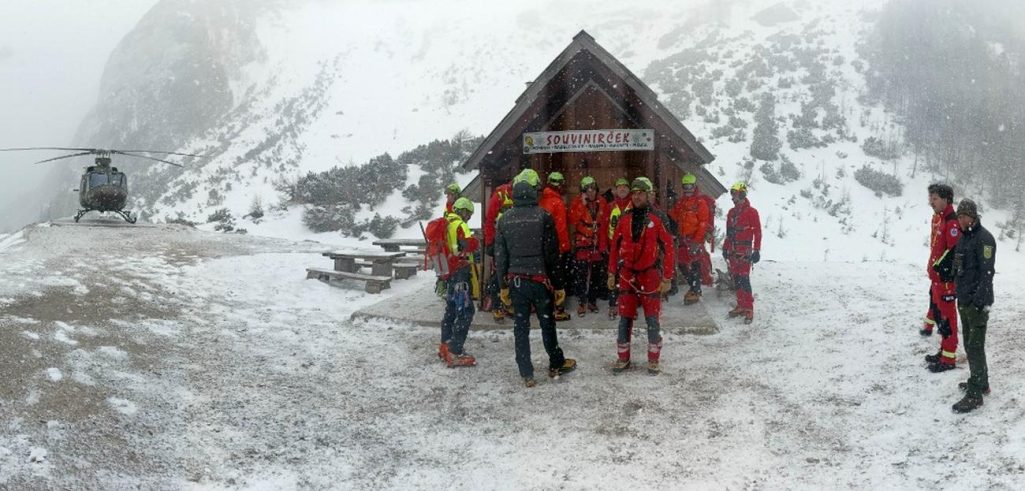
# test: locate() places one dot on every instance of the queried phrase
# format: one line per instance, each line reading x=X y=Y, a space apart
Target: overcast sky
x=52 y=54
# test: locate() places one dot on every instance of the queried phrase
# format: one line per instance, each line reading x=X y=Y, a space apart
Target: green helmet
x=463 y=204
x=642 y=184
x=622 y=181
x=556 y=178
x=739 y=187
x=529 y=176
x=689 y=178
x=453 y=188
x=587 y=182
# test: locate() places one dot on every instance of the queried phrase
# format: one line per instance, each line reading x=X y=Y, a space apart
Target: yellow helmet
x=689 y=178
x=740 y=187
x=529 y=176
x=463 y=204
x=642 y=184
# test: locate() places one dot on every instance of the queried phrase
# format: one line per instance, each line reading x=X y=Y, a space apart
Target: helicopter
x=103 y=188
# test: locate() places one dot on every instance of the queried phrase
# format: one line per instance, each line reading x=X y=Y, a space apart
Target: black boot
x=967 y=404
x=934 y=358
x=941 y=367
x=964 y=388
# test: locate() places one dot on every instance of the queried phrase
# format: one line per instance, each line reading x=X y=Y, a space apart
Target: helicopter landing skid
x=127 y=215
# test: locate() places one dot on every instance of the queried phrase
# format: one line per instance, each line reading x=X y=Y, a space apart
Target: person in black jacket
x=974 y=257
x=526 y=258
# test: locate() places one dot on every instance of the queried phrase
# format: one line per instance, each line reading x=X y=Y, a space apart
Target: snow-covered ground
x=171 y=358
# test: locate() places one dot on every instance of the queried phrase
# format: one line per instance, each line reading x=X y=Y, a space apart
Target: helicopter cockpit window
x=97 y=180
x=115 y=179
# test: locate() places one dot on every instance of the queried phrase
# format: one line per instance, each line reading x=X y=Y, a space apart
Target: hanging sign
x=588 y=141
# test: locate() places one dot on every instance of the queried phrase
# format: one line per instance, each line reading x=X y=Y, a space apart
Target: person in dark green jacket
x=974 y=258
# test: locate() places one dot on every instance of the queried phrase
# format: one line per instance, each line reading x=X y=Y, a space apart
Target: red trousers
x=740 y=270
x=943 y=298
x=639 y=289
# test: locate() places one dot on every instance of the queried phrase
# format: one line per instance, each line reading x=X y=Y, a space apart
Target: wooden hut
x=587 y=114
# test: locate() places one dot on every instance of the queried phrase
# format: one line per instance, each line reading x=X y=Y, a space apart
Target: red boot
x=463 y=360
x=443 y=352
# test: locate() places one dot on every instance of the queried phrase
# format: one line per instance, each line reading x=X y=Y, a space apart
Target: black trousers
x=589 y=277
x=526 y=294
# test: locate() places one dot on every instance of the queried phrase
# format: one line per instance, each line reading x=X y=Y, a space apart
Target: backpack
x=436 y=255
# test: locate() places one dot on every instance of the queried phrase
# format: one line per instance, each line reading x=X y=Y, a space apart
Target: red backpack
x=436 y=256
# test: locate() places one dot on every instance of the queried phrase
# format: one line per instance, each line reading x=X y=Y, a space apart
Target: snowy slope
x=192 y=360
x=338 y=83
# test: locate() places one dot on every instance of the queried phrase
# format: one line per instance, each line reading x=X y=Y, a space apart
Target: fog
x=52 y=54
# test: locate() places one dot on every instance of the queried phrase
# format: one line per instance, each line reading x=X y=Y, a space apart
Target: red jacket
x=710 y=202
x=945 y=232
x=743 y=229
x=501 y=198
x=552 y=202
x=692 y=217
x=654 y=244
x=587 y=223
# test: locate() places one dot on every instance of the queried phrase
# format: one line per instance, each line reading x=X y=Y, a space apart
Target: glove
x=664 y=287
x=612 y=282
x=560 y=297
x=755 y=257
x=503 y=295
x=943 y=326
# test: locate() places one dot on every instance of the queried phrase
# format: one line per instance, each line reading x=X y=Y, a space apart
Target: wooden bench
x=381 y=263
x=374 y=284
x=396 y=245
x=403 y=270
x=406 y=270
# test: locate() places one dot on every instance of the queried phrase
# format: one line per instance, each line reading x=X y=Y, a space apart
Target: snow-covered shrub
x=381 y=227
x=876 y=147
x=733 y=87
x=803 y=138
x=722 y=132
x=880 y=182
x=744 y=104
x=256 y=209
x=766 y=144
x=737 y=122
x=225 y=221
x=787 y=171
x=329 y=218
x=769 y=171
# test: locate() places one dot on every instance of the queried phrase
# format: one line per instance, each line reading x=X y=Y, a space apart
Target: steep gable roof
x=585 y=49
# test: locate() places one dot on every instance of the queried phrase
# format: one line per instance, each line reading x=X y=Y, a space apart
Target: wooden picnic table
x=381 y=263
x=396 y=245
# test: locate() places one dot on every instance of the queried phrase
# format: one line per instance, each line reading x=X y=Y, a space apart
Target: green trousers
x=973 y=329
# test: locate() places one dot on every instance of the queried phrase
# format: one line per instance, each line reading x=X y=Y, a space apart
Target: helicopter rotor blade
x=63 y=157
x=158 y=151
x=64 y=149
x=146 y=157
